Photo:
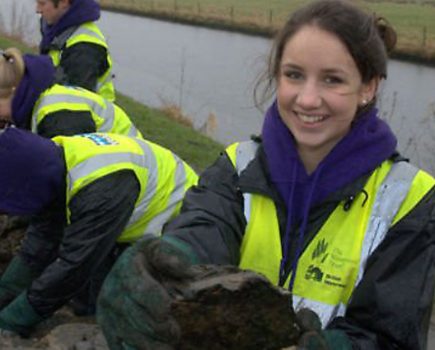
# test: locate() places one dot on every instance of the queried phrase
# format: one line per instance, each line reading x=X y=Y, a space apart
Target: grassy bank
x=10 y=41
x=197 y=149
x=412 y=19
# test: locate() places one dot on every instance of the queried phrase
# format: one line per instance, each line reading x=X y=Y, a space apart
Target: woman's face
x=319 y=89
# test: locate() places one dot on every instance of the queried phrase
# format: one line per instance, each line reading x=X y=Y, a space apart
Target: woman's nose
x=309 y=95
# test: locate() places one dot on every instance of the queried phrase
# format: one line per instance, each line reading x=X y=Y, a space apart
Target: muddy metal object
x=228 y=308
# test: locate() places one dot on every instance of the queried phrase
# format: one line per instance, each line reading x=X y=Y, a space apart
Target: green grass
x=9 y=41
x=195 y=148
x=415 y=24
x=414 y=21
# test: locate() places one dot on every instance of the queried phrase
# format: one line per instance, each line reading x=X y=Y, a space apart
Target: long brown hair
x=368 y=38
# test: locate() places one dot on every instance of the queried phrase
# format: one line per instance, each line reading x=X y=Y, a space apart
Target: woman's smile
x=310 y=119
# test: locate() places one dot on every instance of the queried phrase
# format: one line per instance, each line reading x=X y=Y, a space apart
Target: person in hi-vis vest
x=89 y=196
x=75 y=43
x=31 y=99
x=321 y=205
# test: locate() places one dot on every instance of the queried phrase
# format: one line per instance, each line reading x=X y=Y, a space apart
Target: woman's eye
x=333 y=80
x=295 y=75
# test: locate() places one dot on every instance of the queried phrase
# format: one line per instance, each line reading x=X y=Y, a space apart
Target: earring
x=364 y=102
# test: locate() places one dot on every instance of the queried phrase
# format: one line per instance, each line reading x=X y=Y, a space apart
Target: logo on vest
x=100 y=139
x=316 y=271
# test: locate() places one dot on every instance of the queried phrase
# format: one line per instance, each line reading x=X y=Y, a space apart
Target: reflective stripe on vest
x=334 y=261
x=244 y=153
x=89 y=32
x=163 y=177
x=107 y=116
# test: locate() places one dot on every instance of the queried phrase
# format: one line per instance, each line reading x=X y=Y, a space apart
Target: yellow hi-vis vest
x=163 y=176
x=108 y=117
x=87 y=33
x=333 y=263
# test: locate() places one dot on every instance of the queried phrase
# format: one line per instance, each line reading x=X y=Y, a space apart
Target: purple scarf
x=31 y=172
x=80 y=11
x=369 y=142
x=38 y=76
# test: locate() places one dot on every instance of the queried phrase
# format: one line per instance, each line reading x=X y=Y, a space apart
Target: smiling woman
x=321 y=204
x=319 y=92
x=326 y=76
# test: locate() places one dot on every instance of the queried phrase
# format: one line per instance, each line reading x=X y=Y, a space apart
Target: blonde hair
x=11 y=71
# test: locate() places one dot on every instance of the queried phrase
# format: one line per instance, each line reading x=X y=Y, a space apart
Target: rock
x=228 y=308
x=77 y=336
x=63 y=331
x=71 y=336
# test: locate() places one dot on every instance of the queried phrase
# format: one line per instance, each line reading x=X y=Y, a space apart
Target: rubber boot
x=16 y=278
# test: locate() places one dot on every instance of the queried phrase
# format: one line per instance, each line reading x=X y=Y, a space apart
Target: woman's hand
x=134 y=307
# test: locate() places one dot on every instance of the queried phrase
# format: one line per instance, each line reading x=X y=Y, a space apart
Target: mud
x=228 y=308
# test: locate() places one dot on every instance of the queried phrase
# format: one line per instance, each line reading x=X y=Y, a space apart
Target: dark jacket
x=69 y=255
x=82 y=64
x=382 y=313
x=66 y=123
x=40 y=76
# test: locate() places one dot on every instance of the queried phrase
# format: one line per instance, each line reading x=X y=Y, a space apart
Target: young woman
x=322 y=205
x=30 y=99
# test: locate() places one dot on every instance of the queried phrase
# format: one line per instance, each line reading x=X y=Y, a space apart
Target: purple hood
x=80 y=11
x=32 y=172
x=367 y=145
x=38 y=76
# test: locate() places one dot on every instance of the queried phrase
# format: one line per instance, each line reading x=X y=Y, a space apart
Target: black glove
x=133 y=307
x=314 y=338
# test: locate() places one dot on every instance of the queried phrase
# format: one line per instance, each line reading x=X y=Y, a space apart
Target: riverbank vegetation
x=156 y=125
x=412 y=19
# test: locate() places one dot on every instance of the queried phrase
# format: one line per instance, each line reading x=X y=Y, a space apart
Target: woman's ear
x=368 y=91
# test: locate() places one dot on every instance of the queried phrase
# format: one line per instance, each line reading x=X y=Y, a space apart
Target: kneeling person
x=90 y=195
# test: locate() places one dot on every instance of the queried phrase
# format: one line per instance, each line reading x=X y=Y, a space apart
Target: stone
x=228 y=308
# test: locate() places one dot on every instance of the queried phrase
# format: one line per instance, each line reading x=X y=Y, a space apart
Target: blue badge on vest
x=100 y=139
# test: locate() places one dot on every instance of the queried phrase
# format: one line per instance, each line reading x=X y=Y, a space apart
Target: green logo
x=314 y=273
x=320 y=254
x=320 y=251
